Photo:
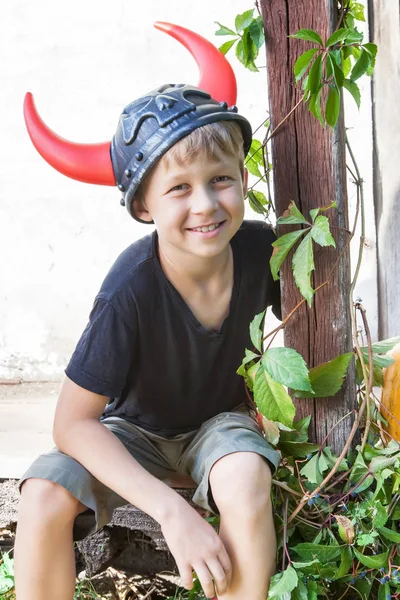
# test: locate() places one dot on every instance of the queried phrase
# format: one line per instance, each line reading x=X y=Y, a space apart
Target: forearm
x=105 y=457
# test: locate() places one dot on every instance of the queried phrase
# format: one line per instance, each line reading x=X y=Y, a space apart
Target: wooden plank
x=385 y=31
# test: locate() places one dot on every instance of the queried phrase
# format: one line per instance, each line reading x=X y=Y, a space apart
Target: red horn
x=216 y=74
x=90 y=163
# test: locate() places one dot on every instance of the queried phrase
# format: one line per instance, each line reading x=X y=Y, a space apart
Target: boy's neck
x=196 y=270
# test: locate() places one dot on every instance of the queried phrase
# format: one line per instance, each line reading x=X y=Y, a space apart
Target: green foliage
x=329 y=67
x=248 y=36
x=303 y=259
x=6 y=575
x=346 y=536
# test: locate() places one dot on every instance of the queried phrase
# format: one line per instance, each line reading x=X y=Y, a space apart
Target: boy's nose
x=204 y=202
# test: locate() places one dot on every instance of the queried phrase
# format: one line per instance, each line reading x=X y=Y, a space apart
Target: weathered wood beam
x=309 y=168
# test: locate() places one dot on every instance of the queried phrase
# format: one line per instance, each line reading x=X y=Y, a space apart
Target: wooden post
x=309 y=168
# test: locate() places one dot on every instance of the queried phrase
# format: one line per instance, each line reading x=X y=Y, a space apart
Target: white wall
x=387 y=159
x=83 y=61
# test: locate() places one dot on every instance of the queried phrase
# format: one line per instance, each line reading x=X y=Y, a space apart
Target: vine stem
x=285 y=524
x=271 y=135
x=335 y=466
x=369 y=380
x=354 y=428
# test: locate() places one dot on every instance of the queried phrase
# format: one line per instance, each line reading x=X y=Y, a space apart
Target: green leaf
x=300 y=592
x=292 y=216
x=373 y=562
x=272 y=399
x=320 y=232
x=355 y=36
x=283 y=583
x=249 y=356
x=366 y=539
x=315 y=106
x=298 y=449
x=381 y=462
x=256 y=331
x=242 y=21
x=346 y=559
x=377 y=360
x=314 y=213
x=358 y=471
x=256 y=152
x=323 y=553
x=224 y=30
x=336 y=71
x=372 y=49
x=346 y=66
x=309 y=35
x=303 y=265
x=271 y=431
x=332 y=458
x=258 y=202
x=332 y=107
x=363 y=586
x=315 y=75
x=288 y=367
x=353 y=89
x=282 y=247
x=250 y=51
x=256 y=31
x=383 y=346
x=357 y=10
x=312 y=471
x=303 y=62
x=384 y=592
x=361 y=66
x=327 y=378
x=226 y=46
x=253 y=168
x=390 y=535
x=246 y=51
x=338 y=36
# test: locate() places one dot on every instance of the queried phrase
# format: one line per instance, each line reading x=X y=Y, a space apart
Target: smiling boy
x=151 y=391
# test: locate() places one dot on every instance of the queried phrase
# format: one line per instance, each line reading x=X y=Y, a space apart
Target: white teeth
x=205 y=229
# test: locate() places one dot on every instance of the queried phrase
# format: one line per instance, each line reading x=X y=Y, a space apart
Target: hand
x=195 y=545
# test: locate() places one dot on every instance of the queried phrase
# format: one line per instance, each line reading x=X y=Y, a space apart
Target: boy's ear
x=139 y=209
x=245 y=181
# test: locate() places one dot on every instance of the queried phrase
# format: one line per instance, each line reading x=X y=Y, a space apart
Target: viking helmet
x=149 y=126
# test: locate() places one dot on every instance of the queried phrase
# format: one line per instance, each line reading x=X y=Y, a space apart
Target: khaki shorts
x=191 y=454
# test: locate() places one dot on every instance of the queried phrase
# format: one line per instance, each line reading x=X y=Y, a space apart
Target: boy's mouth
x=207 y=228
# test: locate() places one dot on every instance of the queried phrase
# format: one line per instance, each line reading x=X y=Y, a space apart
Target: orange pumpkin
x=390 y=398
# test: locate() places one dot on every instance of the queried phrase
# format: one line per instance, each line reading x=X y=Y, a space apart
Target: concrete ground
x=26 y=419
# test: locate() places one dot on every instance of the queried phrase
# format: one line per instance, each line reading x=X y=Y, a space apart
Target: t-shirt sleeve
x=105 y=351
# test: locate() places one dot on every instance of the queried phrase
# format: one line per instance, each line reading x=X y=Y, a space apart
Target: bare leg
x=44 y=556
x=241 y=484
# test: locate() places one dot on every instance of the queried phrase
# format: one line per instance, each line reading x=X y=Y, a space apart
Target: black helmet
x=149 y=126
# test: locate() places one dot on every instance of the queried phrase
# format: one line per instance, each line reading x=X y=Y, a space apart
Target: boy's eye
x=221 y=178
x=176 y=188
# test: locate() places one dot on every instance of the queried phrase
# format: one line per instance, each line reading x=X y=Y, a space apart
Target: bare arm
x=79 y=433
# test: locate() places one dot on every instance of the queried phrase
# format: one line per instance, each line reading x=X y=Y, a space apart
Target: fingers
x=219 y=575
x=226 y=564
x=186 y=576
x=205 y=579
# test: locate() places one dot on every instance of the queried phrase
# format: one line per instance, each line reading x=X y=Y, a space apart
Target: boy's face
x=197 y=207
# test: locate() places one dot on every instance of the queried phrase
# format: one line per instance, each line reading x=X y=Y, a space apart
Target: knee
x=242 y=482
x=46 y=501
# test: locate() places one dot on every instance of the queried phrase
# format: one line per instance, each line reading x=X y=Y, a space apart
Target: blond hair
x=211 y=141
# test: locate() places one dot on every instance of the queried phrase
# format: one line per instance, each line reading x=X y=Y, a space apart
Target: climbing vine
x=337 y=516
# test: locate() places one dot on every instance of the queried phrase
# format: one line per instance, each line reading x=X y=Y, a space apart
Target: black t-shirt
x=146 y=351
